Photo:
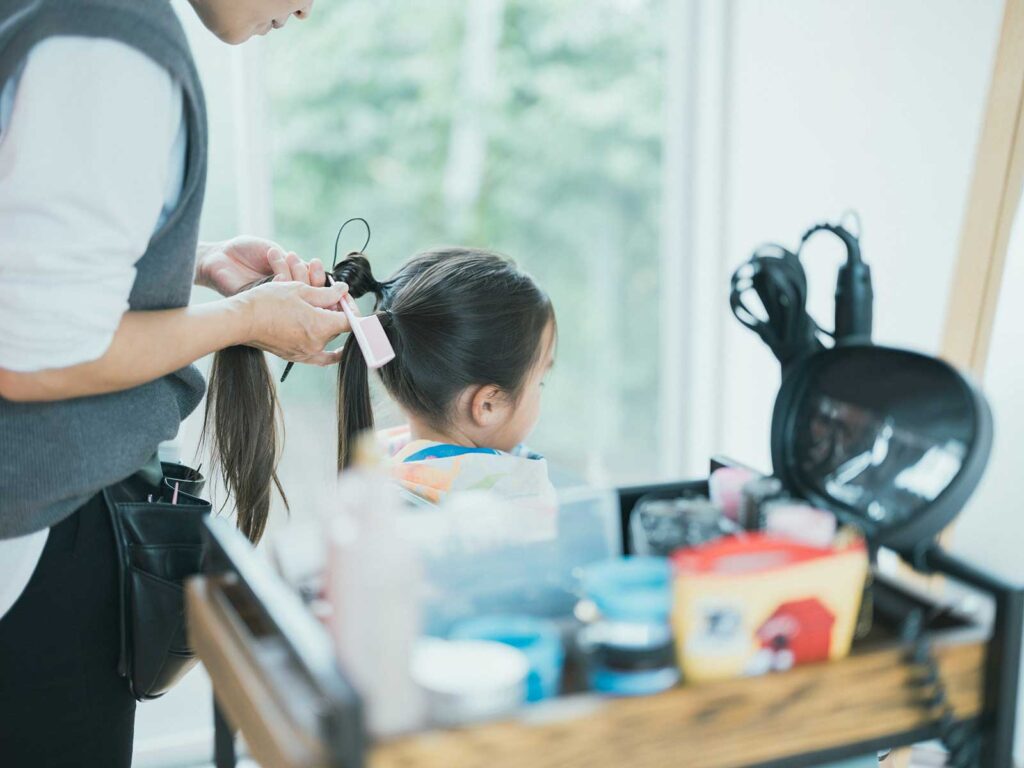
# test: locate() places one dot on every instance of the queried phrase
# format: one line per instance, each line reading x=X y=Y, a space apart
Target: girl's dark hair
x=456 y=317
x=242 y=424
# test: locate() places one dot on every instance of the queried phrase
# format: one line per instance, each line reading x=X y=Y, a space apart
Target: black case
x=159 y=545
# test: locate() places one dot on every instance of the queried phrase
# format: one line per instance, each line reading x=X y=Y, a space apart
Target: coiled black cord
x=777 y=279
x=961 y=740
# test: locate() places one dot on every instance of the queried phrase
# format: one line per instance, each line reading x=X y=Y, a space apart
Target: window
x=529 y=127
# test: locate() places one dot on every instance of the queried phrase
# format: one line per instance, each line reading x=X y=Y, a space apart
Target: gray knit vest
x=55 y=456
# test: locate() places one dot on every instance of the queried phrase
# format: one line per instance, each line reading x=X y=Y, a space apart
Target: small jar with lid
x=628 y=644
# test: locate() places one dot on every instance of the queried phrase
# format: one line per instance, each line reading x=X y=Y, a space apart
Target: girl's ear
x=488 y=406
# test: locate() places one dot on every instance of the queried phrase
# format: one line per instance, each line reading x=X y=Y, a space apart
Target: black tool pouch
x=159 y=545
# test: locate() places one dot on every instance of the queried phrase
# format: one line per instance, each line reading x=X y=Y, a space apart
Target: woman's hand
x=290 y=319
x=295 y=321
x=234 y=264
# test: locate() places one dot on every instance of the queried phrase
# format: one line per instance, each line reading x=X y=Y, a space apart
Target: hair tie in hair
x=338 y=239
x=371 y=285
x=355 y=271
x=387 y=317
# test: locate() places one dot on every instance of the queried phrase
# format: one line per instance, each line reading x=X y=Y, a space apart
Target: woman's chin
x=237 y=36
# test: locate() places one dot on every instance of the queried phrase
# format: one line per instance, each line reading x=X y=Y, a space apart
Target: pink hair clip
x=370 y=335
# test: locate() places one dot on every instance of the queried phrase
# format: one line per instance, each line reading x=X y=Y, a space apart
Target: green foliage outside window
x=531 y=127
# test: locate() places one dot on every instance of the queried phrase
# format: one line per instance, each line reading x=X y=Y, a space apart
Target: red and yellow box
x=747 y=605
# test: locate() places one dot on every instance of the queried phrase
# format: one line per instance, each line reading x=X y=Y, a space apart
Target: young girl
x=473 y=337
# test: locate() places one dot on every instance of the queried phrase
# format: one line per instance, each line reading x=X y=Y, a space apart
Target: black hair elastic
x=337 y=240
x=334 y=264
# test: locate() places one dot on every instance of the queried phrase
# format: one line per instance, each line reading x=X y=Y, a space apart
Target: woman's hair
x=456 y=317
x=242 y=424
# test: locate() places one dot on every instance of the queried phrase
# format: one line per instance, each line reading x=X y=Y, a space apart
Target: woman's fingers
x=278 y=264
x=295 y=320
x=317 y=274
x=298 y=268
x=332 y=357
x=334 y=323
x=289 y=267
x=325 y=298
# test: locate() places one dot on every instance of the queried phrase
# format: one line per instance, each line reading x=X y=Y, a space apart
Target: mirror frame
x=918 y=532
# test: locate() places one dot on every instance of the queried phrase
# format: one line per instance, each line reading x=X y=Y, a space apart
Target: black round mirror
x=890 y=440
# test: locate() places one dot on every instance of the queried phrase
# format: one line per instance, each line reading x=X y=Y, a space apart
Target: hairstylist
x=102 y=170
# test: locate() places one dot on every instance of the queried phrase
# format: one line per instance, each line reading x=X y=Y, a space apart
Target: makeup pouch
x=157 y=518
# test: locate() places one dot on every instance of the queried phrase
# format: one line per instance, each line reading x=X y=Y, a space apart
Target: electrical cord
x=960 y=739
x=854 y=294
x=776 y=277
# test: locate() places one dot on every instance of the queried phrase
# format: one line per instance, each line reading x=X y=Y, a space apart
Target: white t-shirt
x=92 y=160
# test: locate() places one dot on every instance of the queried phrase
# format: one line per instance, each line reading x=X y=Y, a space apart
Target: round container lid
x=467 y=667
x=538 y=639
x=631 y=588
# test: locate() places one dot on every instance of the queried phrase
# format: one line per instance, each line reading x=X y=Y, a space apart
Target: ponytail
x=241 y=423
x=355 y=411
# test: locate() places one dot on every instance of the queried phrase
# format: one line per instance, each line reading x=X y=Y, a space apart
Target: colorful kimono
x=432 y=471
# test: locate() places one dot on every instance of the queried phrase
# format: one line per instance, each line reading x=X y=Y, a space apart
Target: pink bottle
x=725 y=487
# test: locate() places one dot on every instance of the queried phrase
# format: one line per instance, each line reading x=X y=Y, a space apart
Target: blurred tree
x=527 y=126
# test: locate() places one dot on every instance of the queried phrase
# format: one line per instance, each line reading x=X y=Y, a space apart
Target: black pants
x=62 y=702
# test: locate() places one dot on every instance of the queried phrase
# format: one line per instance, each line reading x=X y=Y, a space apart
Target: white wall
x=869 y=104
x=874 y=105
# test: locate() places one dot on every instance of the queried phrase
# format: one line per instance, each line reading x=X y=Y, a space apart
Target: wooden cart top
x=867 y=699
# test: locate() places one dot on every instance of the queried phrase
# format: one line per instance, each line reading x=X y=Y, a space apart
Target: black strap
x=223 y=739
x=961 y=739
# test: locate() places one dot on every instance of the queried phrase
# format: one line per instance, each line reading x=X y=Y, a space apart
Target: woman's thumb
x=325 y=298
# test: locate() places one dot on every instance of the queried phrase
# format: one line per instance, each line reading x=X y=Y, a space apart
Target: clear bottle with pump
x=373 y=584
